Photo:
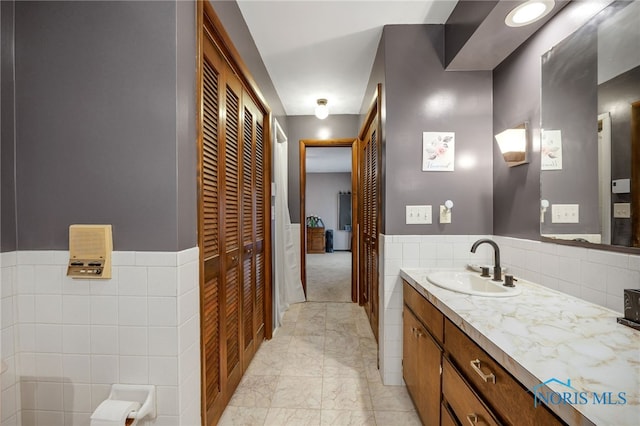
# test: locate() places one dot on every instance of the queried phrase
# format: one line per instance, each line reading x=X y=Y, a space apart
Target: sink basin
x=471 y=283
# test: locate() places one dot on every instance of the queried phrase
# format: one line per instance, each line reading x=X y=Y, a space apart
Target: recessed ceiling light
x=529 y=12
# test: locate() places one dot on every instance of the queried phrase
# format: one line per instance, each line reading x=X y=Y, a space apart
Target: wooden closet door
x=262 y=221
x=209 y=232
x=231 y=227
x=369 y=201
x=252 y=225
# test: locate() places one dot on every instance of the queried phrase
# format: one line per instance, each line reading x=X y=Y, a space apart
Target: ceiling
x=325 y=49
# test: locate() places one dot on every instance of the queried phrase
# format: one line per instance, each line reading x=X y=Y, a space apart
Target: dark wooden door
x=233 y=235
x=209 y=239
x=369 y=222
x=253 y=230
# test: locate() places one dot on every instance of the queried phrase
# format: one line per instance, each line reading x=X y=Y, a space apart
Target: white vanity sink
x=471 y=283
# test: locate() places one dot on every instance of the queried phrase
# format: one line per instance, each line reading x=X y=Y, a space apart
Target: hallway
x=319 y=369
x=329 y=277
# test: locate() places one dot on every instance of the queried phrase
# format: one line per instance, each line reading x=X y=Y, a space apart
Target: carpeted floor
x=329 y=277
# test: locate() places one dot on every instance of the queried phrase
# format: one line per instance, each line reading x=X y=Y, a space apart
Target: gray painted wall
x=462 y=23
x=322 y=200
x=376 y=77
x=310 y=127
x=421 y=96
x=235 y=25
x=569 y=103
x=186 y=131
x=7 y=131
x=516 y=98
x=615 y=96
x=99 y=109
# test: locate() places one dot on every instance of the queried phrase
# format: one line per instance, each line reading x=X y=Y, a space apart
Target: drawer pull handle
x=474 y=420
x=475 y=364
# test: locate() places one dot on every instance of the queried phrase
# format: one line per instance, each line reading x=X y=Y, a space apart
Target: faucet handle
x=508 y=280
x=484 y=271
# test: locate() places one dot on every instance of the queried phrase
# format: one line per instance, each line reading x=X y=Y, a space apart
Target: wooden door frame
x=329 y=143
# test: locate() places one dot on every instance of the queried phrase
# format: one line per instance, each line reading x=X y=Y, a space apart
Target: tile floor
x=319 y=369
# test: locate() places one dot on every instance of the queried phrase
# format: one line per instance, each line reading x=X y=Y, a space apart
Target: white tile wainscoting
x=593 y=275
x=66 y=341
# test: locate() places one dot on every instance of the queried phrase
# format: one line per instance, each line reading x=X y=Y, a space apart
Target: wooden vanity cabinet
x=466 y=405
x=453 y=381
x=501 y=391
x=422 y=355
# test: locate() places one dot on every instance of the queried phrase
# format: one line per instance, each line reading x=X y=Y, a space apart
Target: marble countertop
x=542 y=334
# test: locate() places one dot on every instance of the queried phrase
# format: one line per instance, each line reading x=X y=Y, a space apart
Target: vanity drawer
x=505 y=395
x=466 y=405
x=446 y=417
x=430 y=316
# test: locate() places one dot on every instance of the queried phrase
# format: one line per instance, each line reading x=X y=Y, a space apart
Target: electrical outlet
x=622 y=210
x=445 y=215
x=565 y=213
x=418 y=215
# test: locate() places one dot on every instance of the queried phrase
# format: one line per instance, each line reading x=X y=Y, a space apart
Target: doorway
x=328 y=245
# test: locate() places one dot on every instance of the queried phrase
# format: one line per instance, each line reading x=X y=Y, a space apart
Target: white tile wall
x=593 y=275
x=9 y=386
x=412 y=251
x=74 y=338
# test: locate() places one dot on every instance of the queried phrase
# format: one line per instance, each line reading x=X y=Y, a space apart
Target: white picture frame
x=438 y=151
x=551 y=150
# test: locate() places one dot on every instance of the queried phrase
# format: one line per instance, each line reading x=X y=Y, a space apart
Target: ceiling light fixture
x=529 y=12
x=322 y=111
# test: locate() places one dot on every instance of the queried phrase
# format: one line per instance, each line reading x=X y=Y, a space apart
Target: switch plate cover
x=565 y=213
x=622 y=210
x=445 y=215
x=418 y=215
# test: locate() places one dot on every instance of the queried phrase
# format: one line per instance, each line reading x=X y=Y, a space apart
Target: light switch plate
x=445 y=215
x=565 y=213
x=418 y=215
x=622 y=210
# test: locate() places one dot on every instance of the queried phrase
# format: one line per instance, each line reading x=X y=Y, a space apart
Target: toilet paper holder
x=144 y=394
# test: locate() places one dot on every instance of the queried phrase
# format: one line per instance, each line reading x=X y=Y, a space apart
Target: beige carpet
x=329 y=277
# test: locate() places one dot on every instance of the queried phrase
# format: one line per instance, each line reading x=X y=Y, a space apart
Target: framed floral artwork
x=551 y=150
x=438 y=151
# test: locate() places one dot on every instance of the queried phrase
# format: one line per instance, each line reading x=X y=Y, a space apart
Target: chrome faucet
x=497 y=270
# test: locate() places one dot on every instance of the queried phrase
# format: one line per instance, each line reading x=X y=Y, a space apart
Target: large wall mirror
x=590 y=142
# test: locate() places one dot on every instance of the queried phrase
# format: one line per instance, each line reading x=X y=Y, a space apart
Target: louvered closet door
x=210 y=242
x=373 y=232
x=252 y=226
x=369 y=176
x=231 y=227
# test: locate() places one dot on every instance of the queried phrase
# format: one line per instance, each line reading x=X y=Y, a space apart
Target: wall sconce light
x=322 y=111
x=513 y=145
x=544 y=205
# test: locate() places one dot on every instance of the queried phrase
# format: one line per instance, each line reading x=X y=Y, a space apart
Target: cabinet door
x=421 y=368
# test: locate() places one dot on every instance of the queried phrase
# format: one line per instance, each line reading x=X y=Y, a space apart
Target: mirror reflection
x=590 y=142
